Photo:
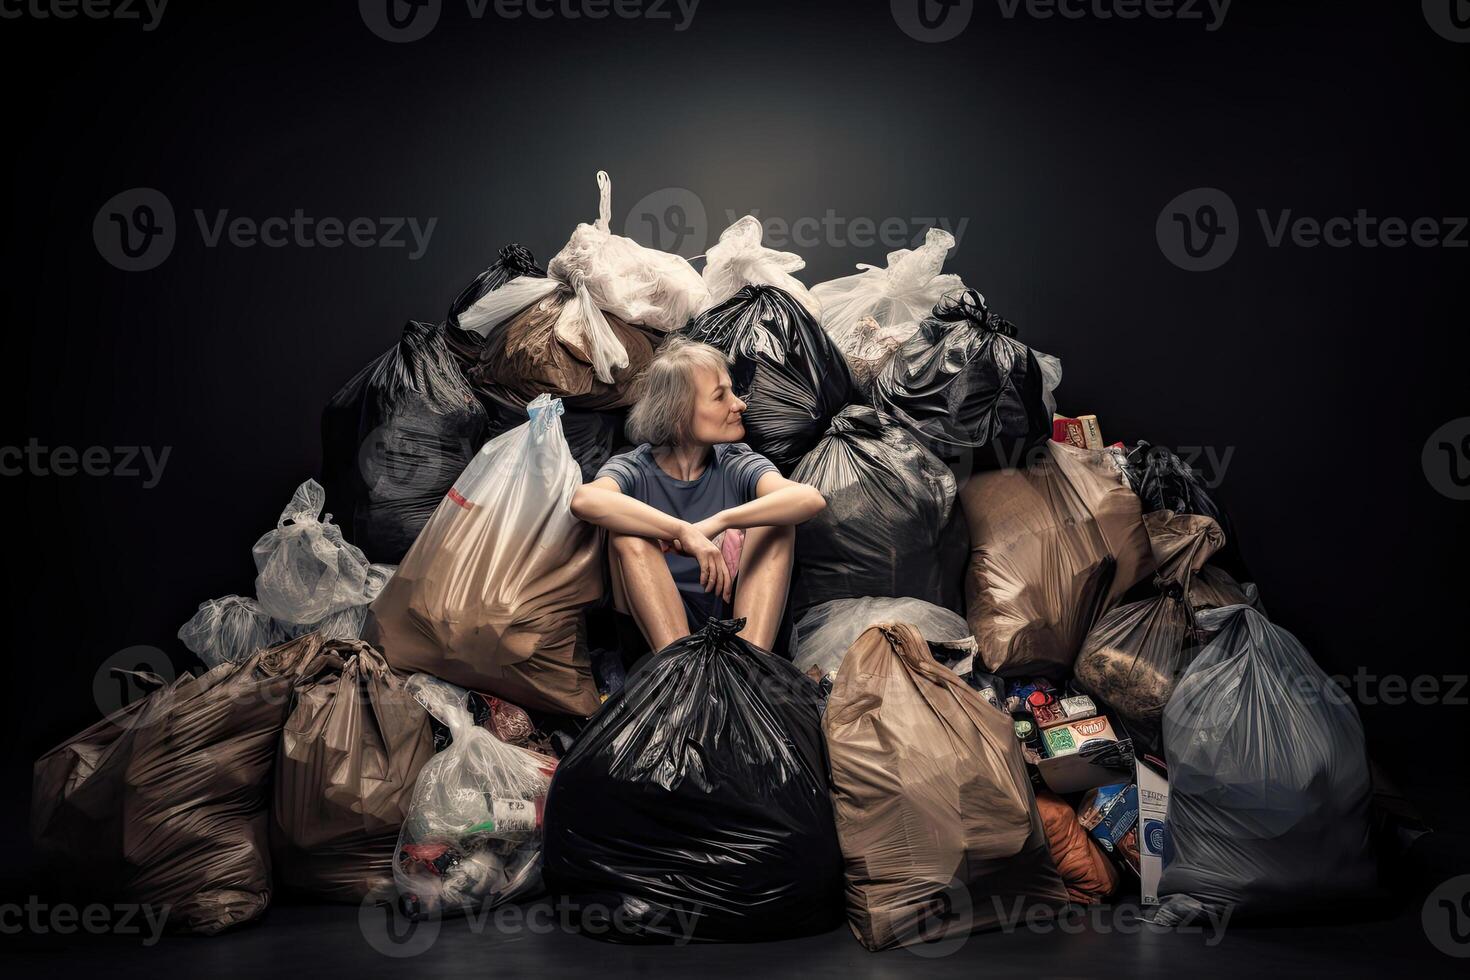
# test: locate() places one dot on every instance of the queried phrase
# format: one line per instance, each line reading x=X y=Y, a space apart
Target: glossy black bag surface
x=972 y=393
x=785 y=367
x=695 y=804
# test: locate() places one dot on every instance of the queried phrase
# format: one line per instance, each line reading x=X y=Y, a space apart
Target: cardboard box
x=1069 y=736
x=1154 y=849
x=1110 y=815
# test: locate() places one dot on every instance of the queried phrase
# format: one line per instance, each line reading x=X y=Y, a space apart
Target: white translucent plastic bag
x=472 y=838
x=871 y=314
x=346 y=624
x=230 y=630
x=739 y=260
x=305 y=569
x=828 y=630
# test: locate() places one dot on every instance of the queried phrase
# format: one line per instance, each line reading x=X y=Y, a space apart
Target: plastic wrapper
x=1269 y=781
x=739 y=259
x=694 y=807
x=1053 y=547
x=395 y=437
x=491 y=594
x=791 y=376
x=887 y=526
x=1089 y=875
x=229 y=629
x=870 y=315
x=465 y=325
x=472 y=837
x=975 y=395
x=934 y=806
x=352 y=747
x=167 y=802
x=827 y=631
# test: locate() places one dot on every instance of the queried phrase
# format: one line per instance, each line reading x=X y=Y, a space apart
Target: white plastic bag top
x=739 y=260
x=903 y=292
x=307 y=504
x=305 y=570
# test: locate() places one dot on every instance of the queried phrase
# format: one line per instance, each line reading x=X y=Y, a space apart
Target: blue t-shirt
x=729 y=480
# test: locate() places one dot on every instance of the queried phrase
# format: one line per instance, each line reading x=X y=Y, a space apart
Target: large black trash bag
x=974 y=394
x=513 y=261
x=1163 y=481
x=888 y=528
x=394 y=439
x=695 y=804
x=787 y=369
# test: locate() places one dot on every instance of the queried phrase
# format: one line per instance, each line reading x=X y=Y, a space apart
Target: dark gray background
x=1326 y=369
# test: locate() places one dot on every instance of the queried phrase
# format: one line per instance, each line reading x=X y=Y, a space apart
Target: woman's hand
x=714 y=574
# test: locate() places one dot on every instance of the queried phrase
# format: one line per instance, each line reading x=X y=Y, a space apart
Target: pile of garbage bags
x=1029 y=668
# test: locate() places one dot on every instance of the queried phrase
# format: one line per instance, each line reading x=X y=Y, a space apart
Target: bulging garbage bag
x=827 y=630
x=1164 y=482
x=347 y=624
x=1053 y=546
x=739 y=259
x=695 y=805
x=934 y=807
x=870 y=315
x=1089 y=875
x=465 y=327
x=1269 y=782
x=472 y=837
x=305 y=569
x=887 y=526
x=229 y=629
x=975 y=395
x=352 y=747
x=783 y=364
x=395 y=437
x=491 y=594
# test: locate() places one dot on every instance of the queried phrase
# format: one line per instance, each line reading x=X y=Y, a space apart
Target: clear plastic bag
x=472 y=838
x=346 y=624
x=1268 y=779
x=491 y=594
x=229 y=630
x=827 y=631
x=871 y=314
x=305 y=569
x=739 y=260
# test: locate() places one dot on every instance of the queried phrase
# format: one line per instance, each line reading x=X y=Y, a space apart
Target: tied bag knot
x=970 y=305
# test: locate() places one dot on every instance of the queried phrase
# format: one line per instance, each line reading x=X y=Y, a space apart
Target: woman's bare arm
x=779 y=502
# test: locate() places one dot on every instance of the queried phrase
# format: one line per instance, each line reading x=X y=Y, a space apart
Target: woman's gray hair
x=664 y=406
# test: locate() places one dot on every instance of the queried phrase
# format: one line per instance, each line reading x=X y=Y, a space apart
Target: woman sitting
x=668 y=504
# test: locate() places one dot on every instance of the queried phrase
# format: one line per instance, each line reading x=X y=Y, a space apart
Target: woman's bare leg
x=644 y=588
x=765 y=576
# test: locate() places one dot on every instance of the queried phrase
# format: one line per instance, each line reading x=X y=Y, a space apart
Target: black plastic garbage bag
x=891 y=527
x=1269 y=781
x=787 y=369
x=695 y=804
x=463 y=341
x=1163 y=481
x=974 y=394
x=394 y=439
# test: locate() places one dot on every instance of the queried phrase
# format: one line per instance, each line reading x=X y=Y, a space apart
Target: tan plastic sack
x=351 y=750
x=1053 y=546
x=934 y=808
x=1089 y=875
x=490 y=596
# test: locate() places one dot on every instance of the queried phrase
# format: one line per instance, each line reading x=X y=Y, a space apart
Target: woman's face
x=716 y=409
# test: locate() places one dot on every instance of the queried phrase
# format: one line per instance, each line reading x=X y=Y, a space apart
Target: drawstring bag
x=1269 y=783
x=973 y=394
x=491 y=594
x=694 y=807
x=939 y=829
x=739 y=259
x=472 y=836
x=305 y=570
x=871 y=314
x=887 y=527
